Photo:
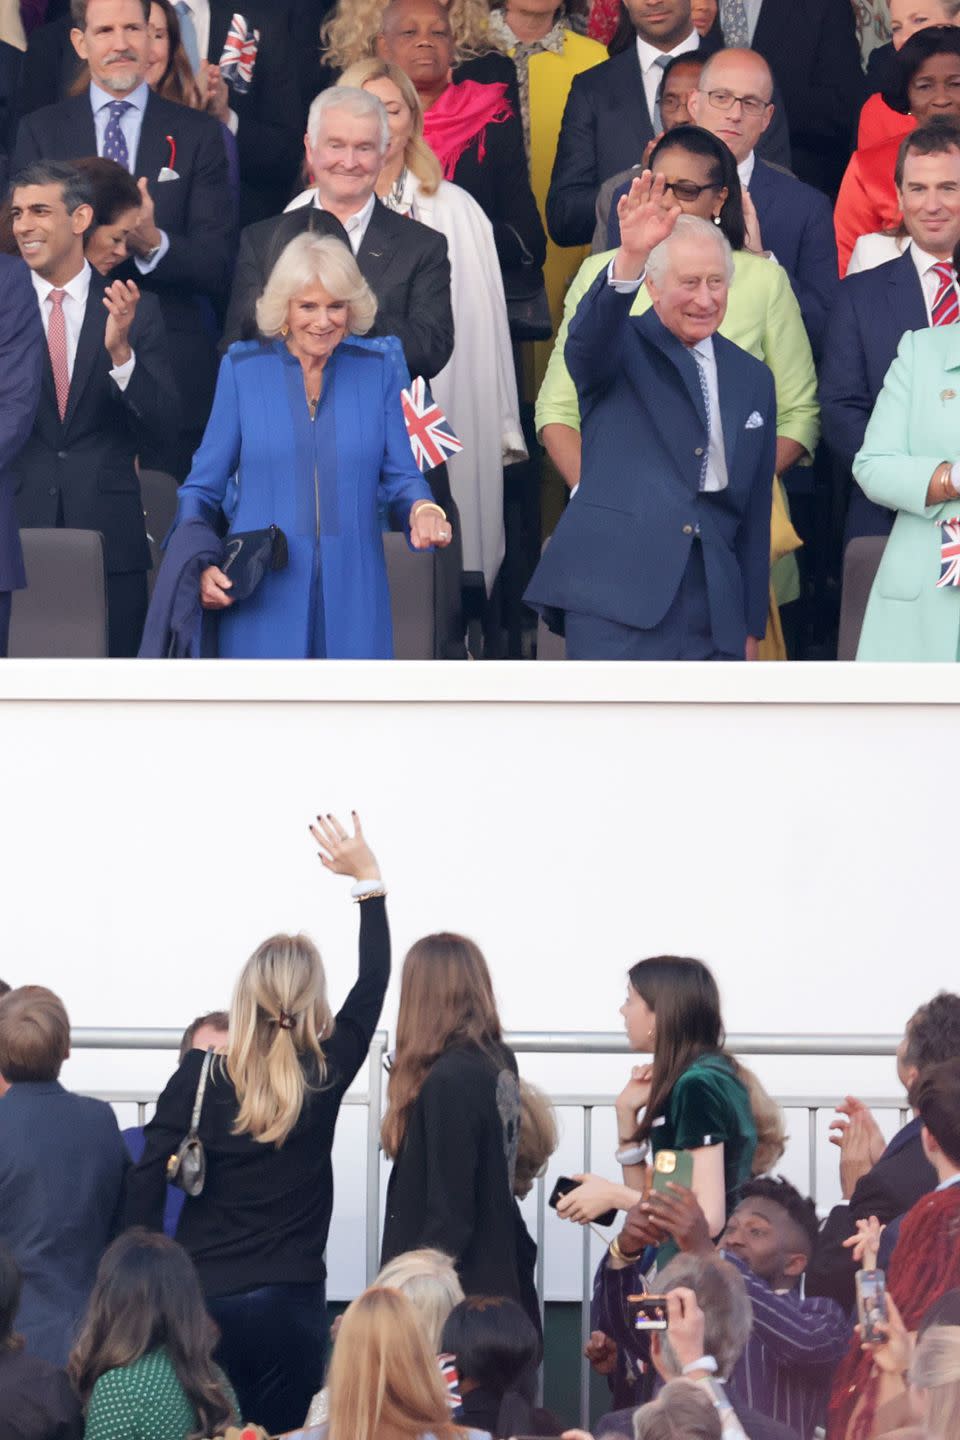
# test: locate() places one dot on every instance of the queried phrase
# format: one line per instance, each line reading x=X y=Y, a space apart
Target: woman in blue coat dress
x=307 y=433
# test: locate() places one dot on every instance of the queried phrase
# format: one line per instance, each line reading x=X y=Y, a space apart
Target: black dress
x=37 y=1401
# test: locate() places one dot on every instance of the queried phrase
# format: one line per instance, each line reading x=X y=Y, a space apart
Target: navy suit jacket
x=606 y=127
x=796 y=223
x=22 y=352
x=62 y=1169
x=623 y=543
x=872 y=312
x=901 y=1177
x=197 y=211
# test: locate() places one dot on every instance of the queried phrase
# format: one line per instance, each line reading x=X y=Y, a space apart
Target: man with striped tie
x=875 y=308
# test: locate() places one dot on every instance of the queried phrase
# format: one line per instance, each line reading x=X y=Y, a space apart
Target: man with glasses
x=612 y=114
x=793 y=222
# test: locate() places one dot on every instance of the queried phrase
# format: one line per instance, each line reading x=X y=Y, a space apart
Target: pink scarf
x=460 y=116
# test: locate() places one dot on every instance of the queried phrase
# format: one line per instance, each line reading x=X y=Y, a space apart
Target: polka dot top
x=142 y=1401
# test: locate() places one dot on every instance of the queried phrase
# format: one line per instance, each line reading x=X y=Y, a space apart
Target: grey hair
x=429 y=1280
x=361 y=104
x=754 y=55
x=76 y=186
x=682 y=1411
x=722 y=1296
x=688 y=227
x=316 y=260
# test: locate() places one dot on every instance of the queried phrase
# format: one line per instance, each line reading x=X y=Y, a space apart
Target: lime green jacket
x=915 y=425
x=762 y=317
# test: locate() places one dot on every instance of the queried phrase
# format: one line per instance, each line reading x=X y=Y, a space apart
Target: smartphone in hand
x=563 y=1187
x=871 y=1305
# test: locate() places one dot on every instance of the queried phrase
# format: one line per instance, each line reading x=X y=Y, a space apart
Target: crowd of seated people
x=590 y=447
x=174 y=1286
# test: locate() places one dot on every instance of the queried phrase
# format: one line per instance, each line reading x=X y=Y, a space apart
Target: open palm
x=645 y=217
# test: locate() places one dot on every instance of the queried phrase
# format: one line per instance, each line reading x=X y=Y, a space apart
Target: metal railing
x=540 y=1043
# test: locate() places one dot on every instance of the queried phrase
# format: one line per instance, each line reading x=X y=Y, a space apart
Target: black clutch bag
x=249 y=554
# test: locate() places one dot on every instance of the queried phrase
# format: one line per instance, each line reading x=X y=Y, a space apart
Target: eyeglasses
x=725 y=100
x=670 y=104
x=687 y=190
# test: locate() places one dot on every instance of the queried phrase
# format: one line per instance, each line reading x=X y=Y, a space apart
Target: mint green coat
x=915 y=425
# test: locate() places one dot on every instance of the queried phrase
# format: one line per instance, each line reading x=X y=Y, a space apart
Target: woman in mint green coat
x=913 y=435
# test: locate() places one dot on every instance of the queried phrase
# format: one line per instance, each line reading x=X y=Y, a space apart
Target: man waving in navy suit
x=664 y=553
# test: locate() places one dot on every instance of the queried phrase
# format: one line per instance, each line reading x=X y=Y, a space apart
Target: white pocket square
x=754 y=421
x=167 y=174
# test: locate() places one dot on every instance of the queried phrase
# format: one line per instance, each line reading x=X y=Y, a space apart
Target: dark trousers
x=684 y=633
x=126 y=612
x=4 y=622
x=273 y=1343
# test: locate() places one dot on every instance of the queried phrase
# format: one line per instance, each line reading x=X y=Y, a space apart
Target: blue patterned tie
x=114 y=140
x=705 y=392
x=733 y=22
x=188 y=34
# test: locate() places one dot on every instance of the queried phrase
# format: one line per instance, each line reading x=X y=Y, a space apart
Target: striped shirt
x=787 y=1366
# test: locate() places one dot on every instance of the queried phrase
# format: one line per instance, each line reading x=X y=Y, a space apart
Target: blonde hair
x=682 y=1411
x=768 y=1119
x=538 y=1137
x=417 y=156
x=936 y=1370
x=315 y=260
x=350 y=33
x=278 y=1017
x=383 y=1374
x=429 y=1280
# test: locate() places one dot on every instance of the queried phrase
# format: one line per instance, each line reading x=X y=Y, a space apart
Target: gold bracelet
x=946 y=485
x=617 y=1253
x=430 y=505
x=370 y=895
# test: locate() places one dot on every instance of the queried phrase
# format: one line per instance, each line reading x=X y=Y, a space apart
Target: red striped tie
x=946 y=307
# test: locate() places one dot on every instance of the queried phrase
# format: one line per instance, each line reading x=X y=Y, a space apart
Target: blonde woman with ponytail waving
x=258 y=1231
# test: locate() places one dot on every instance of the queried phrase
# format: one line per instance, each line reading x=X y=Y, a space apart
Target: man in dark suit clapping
x=184 y=243
x=106 y=391
x=404 y=263
x=21 y=355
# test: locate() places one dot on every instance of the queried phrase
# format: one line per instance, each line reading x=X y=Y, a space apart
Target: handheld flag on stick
x=239 y=54
x=431 y=436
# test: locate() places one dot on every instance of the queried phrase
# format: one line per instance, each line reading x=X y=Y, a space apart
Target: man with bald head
x=794 y=222
x=664 y=552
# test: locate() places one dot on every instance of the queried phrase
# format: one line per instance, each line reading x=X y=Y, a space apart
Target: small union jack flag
x=431 y=437
x=949 y=553
x=239 y=54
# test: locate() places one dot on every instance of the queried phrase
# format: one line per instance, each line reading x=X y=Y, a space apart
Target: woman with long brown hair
x=453 y=1117
x=384 y=1382
x=143 y=1364
x=258 y=1231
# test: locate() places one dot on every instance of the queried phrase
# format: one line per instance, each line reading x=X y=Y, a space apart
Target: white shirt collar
x=78 y=288
x=746 y=168
x=360 y=219
x=951 y=1180
x=138 y=97
x=923 y=260
x=648 y=55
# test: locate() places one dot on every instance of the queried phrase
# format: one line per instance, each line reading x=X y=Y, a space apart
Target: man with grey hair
x=404 y=263
x=664 y=552
x=709 y=1318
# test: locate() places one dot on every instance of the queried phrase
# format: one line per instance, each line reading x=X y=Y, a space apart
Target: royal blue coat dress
x=323 y=481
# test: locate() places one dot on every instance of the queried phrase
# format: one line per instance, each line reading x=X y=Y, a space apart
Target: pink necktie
x=946 y=308
x=57 y=345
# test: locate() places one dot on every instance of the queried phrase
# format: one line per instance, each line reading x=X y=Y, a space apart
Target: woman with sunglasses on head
x=763 y=318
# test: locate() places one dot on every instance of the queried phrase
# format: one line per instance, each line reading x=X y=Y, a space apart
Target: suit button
x=688 y=529
x=61 y=454
x=53 y=489
x=699 y=451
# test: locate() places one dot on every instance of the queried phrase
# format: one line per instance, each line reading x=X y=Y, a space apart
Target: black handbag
x=528 y=310
x=187 y=1166
x=249 y=554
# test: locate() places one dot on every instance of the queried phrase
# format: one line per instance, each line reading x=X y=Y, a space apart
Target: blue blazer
x=22 y=351
x=623 y=543
x=605 y=129
x=872 y=312
x=62 y=1168
x=322 y=481
x=796 y=223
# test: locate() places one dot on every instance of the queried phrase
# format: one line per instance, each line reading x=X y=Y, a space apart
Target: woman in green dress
x=692 y=1096
x=144 y=1362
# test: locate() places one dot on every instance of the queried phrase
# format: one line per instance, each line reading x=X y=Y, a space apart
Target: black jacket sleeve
x=248 y=282
x=575 y=181
x=517 y=227
x=146 y=1189
x=201 y=254
x=358 y=1016
x=152 y=395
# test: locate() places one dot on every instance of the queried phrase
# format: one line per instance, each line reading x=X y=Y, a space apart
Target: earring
x=284 y=330
x=716 y=219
